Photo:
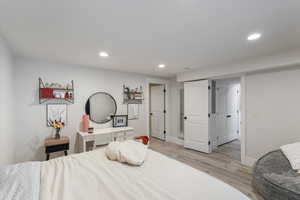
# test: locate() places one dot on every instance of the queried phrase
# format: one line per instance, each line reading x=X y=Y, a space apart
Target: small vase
x=57 y=134
x=85 y=123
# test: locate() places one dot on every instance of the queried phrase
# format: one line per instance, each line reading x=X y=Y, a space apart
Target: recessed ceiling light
x=254 y=36
x=161 y=66
x=103 y=54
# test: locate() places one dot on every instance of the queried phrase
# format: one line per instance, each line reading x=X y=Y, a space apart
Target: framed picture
x=56 y=113
x=133 y=111
x=120 y=120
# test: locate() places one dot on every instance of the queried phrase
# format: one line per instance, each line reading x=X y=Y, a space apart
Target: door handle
x=151 y=114
x=185 y=118
x=228 y=116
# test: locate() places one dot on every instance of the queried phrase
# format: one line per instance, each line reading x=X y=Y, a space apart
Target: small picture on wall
x=56 y=113
x=120 y=120
x=133 y=111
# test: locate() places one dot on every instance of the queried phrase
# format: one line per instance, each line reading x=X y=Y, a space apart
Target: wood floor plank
x=223 y=164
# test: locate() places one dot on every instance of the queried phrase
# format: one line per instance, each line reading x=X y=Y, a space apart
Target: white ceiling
x=140 y=34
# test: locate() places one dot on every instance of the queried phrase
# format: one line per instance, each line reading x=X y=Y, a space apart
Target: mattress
x=92 y=176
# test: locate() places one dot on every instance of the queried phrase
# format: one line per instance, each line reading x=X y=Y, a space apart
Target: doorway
x=225 y=117
x=157 y=108
x=181 y=113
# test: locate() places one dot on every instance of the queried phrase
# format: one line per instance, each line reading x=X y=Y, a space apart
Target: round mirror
x=100 y=107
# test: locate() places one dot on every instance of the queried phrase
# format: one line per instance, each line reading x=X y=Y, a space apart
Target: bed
x=92 y=176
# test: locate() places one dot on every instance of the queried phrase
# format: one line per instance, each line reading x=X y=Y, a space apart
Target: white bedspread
x=128 y=151
x=20 y=181
x=91 y=176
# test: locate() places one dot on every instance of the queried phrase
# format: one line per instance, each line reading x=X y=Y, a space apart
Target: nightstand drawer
x=55 y=148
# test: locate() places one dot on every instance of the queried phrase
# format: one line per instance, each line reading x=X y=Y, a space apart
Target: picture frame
x=120 y=120
x=133 y=111
x=56 y=113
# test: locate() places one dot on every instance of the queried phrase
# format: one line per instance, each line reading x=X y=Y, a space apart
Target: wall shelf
x=132 y=96
x=133 y=101
x=56 y=94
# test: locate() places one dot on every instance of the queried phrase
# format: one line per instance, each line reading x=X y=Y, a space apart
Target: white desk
x=114 y=133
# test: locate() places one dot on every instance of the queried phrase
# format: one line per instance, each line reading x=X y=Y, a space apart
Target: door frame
x=243 y=127
x=147 y=97
x=223 y=85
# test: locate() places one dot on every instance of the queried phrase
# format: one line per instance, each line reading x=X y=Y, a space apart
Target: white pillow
x=129 y=151
x=292 y=152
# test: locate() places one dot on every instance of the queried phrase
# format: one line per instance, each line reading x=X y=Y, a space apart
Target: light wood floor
x=223 y=164
x=231 y=150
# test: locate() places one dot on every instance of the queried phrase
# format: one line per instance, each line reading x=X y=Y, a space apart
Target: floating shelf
x=133 y=101
x=132 y=96
x=49 y=94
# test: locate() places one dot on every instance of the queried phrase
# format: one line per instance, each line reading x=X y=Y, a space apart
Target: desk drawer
x=55 y=148
x=103 y=139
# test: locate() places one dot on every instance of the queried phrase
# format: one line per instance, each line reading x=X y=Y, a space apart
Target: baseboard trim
x=248 y=161
x=174 y=140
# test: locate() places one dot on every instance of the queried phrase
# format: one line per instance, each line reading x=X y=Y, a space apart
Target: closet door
x=196 y=123
x=157 y=107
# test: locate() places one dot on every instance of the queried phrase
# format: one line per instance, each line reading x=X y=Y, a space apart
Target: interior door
x=196 y=103
x=227 y=107
x=232 y=113
x=221 y=113
x=157 y=115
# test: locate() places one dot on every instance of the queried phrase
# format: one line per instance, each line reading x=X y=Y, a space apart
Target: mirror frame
x=87 y=109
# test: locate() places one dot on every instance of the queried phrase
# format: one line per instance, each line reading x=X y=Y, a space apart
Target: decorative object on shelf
x=133 y=96
x=69 y=87
x=120 y=120
x=85 y=123
x=55 y=91
x=100 y=107
x=56 y=113
x=133 y=111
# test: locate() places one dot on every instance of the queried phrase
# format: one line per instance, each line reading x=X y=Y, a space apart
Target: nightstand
x=54 y=145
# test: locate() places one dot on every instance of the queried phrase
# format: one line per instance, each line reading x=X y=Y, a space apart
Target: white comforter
x=92 y=176
x=20 y=181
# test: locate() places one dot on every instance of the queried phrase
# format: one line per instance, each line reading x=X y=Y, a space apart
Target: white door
x=232 y=114
x=157 y=115
x=227 y=108
x=196 y=103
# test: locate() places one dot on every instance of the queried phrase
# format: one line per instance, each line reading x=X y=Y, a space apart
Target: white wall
x=6 y=105
x=272 y=111
x=31 y=127
x=283 y=60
